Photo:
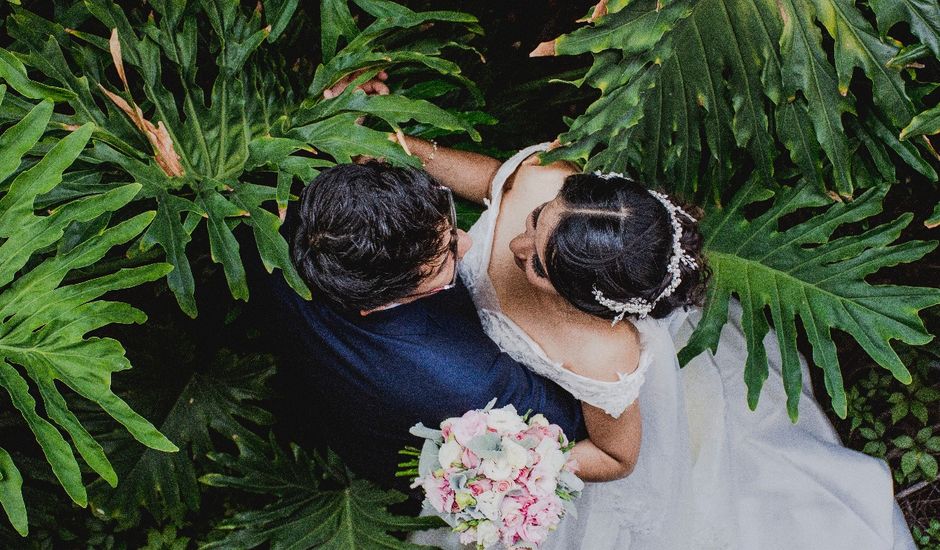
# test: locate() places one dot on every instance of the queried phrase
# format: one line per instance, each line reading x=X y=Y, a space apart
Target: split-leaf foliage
x=199 y=104
x=313 y=502
x=136 y=132
x=799 y=104
x=46 y=317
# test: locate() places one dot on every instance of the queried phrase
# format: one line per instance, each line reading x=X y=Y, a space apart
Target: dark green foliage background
x=209 y=383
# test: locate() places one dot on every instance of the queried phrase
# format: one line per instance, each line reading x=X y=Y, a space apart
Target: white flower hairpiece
x=639 y=306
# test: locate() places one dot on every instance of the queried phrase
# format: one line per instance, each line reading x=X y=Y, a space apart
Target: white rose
x=487 y=534
x=488 y=503
x=514 y=454
x=449 y=453
x=505 y=420
x=545 y=473
x=551 y=456
x=497 y=470
x=538 y=420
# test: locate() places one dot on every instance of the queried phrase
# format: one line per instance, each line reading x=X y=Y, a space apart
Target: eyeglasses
x=452 y=249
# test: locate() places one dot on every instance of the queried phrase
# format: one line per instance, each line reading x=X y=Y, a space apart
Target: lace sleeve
x=612 y=397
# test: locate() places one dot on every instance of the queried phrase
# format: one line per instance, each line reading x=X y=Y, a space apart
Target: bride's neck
x=551 y=302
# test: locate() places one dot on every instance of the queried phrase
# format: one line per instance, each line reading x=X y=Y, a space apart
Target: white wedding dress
x=711 y=473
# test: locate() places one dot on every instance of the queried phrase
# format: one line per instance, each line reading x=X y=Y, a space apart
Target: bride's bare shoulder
x=532 y=177
x=605 y=353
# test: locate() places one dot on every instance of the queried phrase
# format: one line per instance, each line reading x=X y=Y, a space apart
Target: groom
x=391 y=336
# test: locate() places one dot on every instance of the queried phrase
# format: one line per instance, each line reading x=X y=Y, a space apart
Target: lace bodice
x=612 y=397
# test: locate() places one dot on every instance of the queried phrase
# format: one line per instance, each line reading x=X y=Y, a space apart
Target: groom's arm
x=467 y=174
x=514 y=383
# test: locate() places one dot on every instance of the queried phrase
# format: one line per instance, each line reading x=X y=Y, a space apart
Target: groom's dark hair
x=366 y=233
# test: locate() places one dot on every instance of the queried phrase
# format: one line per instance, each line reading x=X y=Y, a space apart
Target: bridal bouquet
x=494 y=476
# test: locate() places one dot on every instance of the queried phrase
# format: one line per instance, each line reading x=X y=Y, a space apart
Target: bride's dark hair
x=615 y=236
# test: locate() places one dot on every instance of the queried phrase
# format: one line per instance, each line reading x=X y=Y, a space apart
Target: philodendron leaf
x=340 y=513
x=803 y=273
x=934 y=219
x=924 y=124
x=393 y=109
x=196 y=100
x=222 y=244
x=687 y=87
x=218 y=399
x=44 y=323
x=11 y=493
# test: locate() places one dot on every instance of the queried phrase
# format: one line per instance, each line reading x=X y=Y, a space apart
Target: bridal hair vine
x=640 y=306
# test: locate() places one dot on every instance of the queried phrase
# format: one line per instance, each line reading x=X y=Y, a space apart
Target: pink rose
x=539 y=432
x=502 y=486
x=439 y=493
x=512 y=513
x=469 y=459
x=446 y=429
x=480 y=486
x=535 y=534
x=468 y=426
x=545 y=511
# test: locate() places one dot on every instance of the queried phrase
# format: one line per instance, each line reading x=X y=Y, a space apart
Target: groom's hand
x=373 y=86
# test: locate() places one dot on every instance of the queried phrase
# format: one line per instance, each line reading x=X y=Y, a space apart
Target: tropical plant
x=689 y=90
x=213 y=110
x=715 y=101
x=802 y=272
x=928 y=538
x=46 y=314
x=919 y=458
x=220 y=398
x=218 y=141
x=318 y=503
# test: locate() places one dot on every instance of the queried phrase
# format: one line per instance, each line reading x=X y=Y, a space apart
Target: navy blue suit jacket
x=369 y=379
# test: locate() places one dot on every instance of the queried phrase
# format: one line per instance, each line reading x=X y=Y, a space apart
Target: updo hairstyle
x=613 y=235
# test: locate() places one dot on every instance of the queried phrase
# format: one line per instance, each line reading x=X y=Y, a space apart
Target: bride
x=585 y=279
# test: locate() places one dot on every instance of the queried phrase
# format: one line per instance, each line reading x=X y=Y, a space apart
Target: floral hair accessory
x=640 y=306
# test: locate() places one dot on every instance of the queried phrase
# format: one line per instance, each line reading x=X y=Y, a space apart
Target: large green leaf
x=44 y=323
x=801 y=272
x=925 y=124
x=340 y=513
x=690 y=91
x=231 y=125
x=216 y=399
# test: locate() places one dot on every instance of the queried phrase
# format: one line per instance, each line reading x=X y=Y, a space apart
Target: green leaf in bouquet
x=312 y=503
x=803 y=273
